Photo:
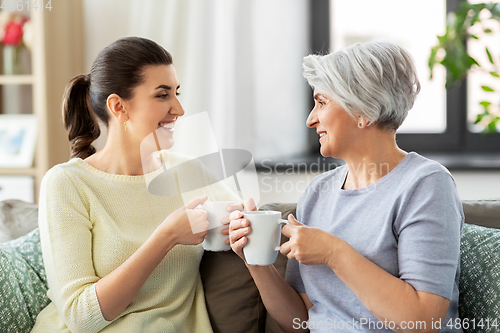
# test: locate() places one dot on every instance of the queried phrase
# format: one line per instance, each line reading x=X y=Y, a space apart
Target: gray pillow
x=17 y=218
x=484 y=213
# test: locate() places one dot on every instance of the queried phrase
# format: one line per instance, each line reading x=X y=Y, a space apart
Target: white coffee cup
x=215 y=240
x=263 y=241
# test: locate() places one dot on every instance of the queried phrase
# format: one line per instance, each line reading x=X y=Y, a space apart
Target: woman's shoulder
x=421 y=176
x=63 y=170
x=62 y=177
x=420 y=167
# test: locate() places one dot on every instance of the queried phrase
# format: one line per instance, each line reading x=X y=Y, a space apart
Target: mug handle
x=281 y=222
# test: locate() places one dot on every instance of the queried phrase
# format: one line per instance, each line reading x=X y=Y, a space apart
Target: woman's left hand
x=249 y=206
x=309 y=245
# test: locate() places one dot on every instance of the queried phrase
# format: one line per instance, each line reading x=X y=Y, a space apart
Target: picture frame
x=18 y=137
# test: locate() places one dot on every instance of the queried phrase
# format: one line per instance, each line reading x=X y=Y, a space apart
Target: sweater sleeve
x=66 y=238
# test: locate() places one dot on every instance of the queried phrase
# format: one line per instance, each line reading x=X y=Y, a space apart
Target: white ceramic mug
x=263 y=241
x=215 y=240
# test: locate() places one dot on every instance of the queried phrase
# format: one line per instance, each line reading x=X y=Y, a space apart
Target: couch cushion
x=480 y=278
x=23 y=284
x=233 y=301
x=17 y=218
x=281 y=261
x=485 y=213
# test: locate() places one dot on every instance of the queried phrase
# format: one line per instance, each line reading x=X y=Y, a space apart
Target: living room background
x=256 y=49
x=241 y=62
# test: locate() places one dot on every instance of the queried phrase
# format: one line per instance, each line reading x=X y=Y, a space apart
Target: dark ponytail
x=79 y=119
x=118 y=69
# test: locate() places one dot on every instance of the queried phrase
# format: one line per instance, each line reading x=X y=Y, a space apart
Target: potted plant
x=452 y=53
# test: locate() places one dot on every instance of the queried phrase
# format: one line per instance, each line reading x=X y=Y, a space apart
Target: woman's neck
x=118 y=157
x=371 y=158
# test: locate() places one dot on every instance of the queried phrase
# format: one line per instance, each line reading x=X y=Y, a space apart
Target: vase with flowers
x=14 y=33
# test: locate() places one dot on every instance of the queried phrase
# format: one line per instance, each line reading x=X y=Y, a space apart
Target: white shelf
x=57 y=49
x=18 y=171
x=12 y=178
x=17 y=79
x=18 y=187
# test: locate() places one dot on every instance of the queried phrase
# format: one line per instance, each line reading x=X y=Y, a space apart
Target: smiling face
x=155 y=104
x=336 y=128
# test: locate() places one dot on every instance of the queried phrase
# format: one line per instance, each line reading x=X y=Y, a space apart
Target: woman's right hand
x=187 y=225
x=239 y=229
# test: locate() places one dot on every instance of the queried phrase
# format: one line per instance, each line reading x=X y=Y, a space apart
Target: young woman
x=377 y=245
x=119 y=259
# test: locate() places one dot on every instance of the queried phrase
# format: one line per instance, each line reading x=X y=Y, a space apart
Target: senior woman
x=377 y=245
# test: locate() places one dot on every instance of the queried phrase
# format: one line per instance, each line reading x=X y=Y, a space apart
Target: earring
x=360 y=125
x=125 y=126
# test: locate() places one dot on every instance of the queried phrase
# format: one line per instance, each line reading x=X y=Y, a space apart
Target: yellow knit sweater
x=90 y=223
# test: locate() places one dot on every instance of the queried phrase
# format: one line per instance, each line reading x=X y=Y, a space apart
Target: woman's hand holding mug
x=187 y=225
x=239 y=228
x=255 y=236
x=308 y=245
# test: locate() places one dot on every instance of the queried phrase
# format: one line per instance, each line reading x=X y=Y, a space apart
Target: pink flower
x=13 y=33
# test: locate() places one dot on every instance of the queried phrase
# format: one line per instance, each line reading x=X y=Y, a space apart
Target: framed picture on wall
x=18 y=136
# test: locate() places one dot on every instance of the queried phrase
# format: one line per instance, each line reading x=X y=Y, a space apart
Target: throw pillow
x=479 y=286
x=23 y=284
x=17 y=218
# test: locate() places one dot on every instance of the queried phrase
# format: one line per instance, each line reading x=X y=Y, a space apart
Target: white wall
x=477 y=185
x=238 y=60
x=104 y=22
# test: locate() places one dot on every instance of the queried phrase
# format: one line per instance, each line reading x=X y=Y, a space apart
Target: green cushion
x=23 y=284
x=480 y=279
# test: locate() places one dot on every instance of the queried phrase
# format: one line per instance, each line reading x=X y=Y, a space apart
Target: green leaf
x=495 y=74
x=471 y=61
x=492 y=127
x=479 y=118
x=474 y=36
x=490 y=58
x=487 y=31
x=488 y=89
x=432 y=60
x=442 y=39
x=485 y=104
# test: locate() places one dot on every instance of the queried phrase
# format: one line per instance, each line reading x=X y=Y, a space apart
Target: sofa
x=232 y=299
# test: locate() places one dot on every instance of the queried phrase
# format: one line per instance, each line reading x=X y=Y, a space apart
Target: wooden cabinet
x=56 y=57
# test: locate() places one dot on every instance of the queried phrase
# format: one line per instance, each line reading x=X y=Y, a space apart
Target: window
x=443 y=128
x=354 y=21
x=480 y=76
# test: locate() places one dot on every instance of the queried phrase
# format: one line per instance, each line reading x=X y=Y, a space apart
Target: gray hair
x=375 y=80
